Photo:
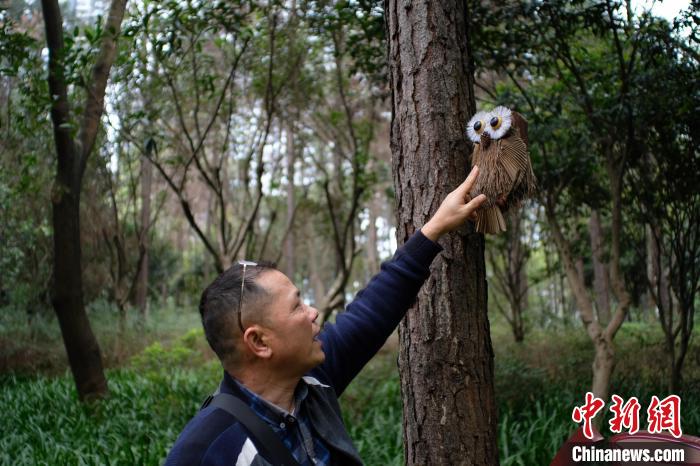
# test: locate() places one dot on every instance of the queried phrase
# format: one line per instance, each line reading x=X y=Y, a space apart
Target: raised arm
x=367 y=322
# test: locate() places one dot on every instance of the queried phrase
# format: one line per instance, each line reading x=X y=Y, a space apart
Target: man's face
x=292 y=324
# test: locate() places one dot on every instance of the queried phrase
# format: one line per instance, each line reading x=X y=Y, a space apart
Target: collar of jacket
x=323 y=411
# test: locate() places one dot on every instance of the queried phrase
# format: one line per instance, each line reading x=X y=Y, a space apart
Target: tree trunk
x=289 y=249
x=81 y=346
x=142 y=280
x=601 y=282
x=669 y=307
x=372 y=240
x=603 y=365
x=446 y=359
x=601 y=336
x=516 y=274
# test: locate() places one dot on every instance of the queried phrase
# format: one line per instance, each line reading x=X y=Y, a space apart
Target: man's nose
x=314 y=313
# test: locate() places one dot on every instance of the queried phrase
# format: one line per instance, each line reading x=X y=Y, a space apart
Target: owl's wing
x=514 y=157
x=515 y=169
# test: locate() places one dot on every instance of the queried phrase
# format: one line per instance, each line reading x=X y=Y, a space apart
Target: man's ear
x=256 y=340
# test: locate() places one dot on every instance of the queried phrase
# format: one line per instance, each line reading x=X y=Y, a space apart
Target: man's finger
x=475 y=203
x=467 y=184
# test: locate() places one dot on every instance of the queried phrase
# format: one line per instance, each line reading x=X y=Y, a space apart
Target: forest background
x=261 y=130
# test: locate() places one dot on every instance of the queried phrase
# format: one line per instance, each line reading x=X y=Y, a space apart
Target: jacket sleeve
x=367 y=322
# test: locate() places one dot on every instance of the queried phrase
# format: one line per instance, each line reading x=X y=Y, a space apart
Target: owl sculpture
x=505 y=171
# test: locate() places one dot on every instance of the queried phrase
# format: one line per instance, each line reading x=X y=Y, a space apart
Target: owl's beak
x=485 y=140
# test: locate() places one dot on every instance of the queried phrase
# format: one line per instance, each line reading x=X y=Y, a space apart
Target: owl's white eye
x=476 y=126
x=499 y=122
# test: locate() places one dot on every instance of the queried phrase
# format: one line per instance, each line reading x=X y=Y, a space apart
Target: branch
x=183 y=201
x=94 y=101
x=575 y=280
x=290 y=224
x=341 y=91
x=60 y=108
x=273 y=218
x=521 y=89
x=339 y=245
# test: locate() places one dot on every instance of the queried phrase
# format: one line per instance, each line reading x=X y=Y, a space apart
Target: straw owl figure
x=505 y=171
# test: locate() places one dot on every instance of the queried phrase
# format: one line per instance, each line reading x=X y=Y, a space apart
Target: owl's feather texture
x=505 y=174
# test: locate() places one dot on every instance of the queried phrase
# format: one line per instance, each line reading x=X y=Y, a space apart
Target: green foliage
x=44 y=423
x=537 y=386
x=185 y=351
x=25 y=235
x=534 y=49
x=534 y=435
x=15 y=47
x=372 y=412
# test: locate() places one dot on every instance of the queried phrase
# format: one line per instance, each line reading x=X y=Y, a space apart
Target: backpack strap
x=270 y=445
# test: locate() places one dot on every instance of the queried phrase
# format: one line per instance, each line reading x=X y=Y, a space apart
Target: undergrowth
x=156 y=391
x=33 y=344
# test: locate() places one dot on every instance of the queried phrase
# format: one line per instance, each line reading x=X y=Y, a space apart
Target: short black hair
x=218 y=306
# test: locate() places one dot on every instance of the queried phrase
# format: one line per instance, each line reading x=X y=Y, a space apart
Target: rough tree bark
x=81 y=346
x=446 y=358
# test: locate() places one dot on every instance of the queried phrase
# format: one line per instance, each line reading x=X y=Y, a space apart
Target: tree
x=224 y=81
x=343 y=117
x=72 y=155
x=592 y=78
x=25 y=178
x=446 y=359
x=669 y=205
x=507 y=255
x=581 y=97
x=126 y=233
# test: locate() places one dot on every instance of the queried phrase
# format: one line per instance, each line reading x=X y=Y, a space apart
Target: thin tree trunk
x=142 y=280
x=601 y=282
x=517 y=278
x=668 y=307
x=81 y=345
x=601 y=336
x=603 y=365
x=446 y=358
x=289 y=244
x=372 y=243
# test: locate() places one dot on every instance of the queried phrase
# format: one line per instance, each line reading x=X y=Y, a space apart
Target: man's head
x=278 y=328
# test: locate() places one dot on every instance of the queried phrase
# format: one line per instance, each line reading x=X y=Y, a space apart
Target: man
x=279 y=362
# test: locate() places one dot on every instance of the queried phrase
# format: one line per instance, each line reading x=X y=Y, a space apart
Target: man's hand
x=457 y=207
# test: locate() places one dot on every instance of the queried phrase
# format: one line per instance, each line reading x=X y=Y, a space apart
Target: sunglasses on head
x=243 y=264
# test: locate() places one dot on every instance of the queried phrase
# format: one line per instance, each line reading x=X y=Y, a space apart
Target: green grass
x=135 y=425
x=156 y=391
x=149 y=402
